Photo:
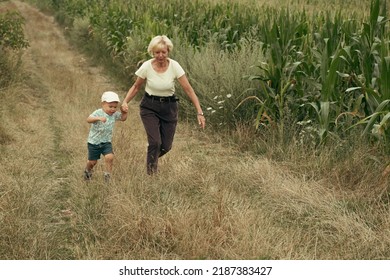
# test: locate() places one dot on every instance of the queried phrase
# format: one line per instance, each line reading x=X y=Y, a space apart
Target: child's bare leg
x=109 y=160
x=88 y=169
x=90 y=165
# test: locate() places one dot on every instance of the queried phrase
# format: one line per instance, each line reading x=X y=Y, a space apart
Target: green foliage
x=12 y=40
x=11 y=31
x=323 y=72
x=324 y=61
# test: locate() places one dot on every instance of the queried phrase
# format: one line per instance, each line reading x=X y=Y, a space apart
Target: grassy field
x=213 y=199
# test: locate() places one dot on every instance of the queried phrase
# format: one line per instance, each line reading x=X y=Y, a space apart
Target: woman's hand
x=201 y=121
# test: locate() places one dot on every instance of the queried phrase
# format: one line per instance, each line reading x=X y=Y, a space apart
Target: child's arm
x=92 y=119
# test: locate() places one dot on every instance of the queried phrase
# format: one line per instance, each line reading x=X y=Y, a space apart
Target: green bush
x=11 y=31
x=12 y=40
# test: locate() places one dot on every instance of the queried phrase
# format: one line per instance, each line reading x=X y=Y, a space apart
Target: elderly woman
x=158 y=107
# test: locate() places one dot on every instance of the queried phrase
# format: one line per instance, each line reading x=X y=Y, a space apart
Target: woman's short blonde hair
x=160 y=41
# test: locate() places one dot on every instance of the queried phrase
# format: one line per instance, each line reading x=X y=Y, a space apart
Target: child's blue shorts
x=94 y=151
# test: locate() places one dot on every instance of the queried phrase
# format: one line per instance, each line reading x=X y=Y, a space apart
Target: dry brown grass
x=209 y=201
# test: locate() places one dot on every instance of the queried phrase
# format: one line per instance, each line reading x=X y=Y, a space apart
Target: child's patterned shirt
x=102 y=132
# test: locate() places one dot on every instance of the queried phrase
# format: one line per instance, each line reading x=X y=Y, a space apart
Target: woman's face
x=161 y=53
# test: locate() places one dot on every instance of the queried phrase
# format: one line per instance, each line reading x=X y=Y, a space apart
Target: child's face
x=110 y=107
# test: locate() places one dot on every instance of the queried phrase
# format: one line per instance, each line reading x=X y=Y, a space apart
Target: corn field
x=323 y=72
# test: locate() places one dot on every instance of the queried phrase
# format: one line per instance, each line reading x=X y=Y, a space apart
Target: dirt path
x=48 y=151
x=59 y=93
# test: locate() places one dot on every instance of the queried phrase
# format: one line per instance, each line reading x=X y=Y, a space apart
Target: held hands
x=103 y=119
x=124 y=108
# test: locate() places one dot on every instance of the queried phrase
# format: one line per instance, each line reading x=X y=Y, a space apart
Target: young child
x=100 y=134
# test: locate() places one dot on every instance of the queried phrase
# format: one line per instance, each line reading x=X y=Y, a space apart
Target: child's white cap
x=110 y=96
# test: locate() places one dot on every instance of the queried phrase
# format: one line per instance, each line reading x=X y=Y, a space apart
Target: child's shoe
x=107 y=177
x=87 y=175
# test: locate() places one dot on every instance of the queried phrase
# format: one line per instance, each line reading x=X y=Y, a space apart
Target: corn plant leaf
x=259 y=117
x=370 y=120
x=352 y=89
x=357 y=103
x=330 y=77
x=385 y=78
x=343 y=75
x=385 y=121
x=374 y=14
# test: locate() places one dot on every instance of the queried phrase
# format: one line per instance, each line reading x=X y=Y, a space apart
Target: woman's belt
x=162 y=99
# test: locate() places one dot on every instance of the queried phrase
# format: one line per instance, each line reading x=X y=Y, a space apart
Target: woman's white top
x=160 y=84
